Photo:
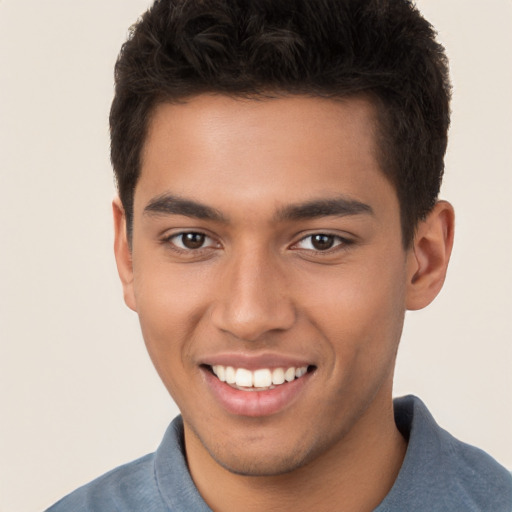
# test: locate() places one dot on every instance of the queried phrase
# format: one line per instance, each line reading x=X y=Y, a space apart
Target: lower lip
x=255 y=403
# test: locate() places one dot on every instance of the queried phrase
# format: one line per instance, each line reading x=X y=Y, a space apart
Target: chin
x=262 y=466
x=270 y=459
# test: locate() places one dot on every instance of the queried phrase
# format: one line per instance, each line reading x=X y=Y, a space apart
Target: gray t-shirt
x=439 y=473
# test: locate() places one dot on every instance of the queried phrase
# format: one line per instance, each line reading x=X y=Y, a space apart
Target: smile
x=257 y=386
x=259 y=380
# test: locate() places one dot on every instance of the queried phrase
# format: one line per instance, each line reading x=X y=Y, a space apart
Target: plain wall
x=78 y=394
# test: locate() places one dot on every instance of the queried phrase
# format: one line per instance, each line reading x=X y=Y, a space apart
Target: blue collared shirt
x=439 y=473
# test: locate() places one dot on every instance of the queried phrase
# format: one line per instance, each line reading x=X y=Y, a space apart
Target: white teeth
x=263 y=378
x=289 y=374
x=230 y=375
x=243 y=378
x=299 y=372
x=277 y=376
x=220 y=371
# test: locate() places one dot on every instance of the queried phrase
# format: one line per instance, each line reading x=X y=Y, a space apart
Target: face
x=269 y=275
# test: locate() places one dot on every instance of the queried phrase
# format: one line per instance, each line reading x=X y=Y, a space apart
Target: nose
x=252 y=298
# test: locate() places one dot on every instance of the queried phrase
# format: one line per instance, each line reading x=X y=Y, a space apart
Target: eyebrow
x=168 y=204
x=339 y=206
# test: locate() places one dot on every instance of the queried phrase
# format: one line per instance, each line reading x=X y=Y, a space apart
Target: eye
x=191 y=241
x=320 y=242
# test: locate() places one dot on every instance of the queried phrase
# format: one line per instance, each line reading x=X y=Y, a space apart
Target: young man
x=278 y=166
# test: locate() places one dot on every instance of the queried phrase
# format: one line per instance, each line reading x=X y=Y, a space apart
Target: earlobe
x=429 y=256
x=123 y=253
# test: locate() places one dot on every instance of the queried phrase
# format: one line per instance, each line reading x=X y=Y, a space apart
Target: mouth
x=257 y=385
x=263 y=379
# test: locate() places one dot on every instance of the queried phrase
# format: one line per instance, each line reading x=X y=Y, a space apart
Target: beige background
x=78 y=395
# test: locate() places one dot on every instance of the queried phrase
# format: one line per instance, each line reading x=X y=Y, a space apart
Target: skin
x=258 y=285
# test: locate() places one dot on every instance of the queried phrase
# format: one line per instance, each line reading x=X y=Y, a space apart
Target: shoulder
x=131 y=487
x=440 y=472
x=478 y=479
x=158 y=482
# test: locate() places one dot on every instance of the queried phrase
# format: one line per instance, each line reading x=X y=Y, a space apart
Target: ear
x=429 y=256
x=123 y=253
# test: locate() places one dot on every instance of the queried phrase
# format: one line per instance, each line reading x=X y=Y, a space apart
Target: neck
x=356 y=473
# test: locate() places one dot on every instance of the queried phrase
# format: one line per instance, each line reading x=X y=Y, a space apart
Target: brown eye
x=322 y=242
x=193 y=240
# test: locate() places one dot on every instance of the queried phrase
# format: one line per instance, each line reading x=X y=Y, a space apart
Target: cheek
x=168 y=328
x=168 y=295
x=362 y=314
x=170 y=304
x=379 y=304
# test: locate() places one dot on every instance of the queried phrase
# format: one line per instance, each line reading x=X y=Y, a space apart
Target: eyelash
x=170 y=241
x=338 y=243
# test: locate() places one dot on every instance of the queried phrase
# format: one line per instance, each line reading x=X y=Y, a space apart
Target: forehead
x=217 y=149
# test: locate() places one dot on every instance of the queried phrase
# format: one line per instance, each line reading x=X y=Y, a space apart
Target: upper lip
x=255 y=361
